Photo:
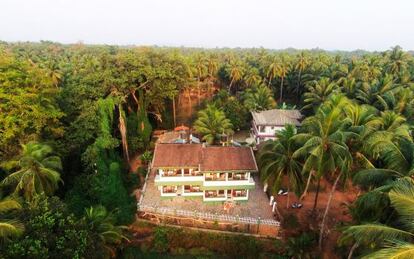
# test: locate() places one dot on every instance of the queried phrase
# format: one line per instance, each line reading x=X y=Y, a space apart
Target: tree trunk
x=189 y=101
x=198 y=93
x=281 y=91
x=123 y=131
x=174 y=114
x=316 y=195
x=328 y=205
x=278 y=213
x=305 y=192
x=355 y=246
x=287 y=198
x=231 y=83
x=298 y=86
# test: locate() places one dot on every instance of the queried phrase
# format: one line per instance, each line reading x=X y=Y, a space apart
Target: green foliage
x=161 y=240
x=146 y=157
x=51 y=232
x=212 y=124
x=234 y=110
x=37 y=171
x=276 y=160
x=9 y=227
x=258 y=99
x=28 y=104
x=302 y=245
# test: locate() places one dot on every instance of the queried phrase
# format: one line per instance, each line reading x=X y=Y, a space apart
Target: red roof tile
x=212 y=158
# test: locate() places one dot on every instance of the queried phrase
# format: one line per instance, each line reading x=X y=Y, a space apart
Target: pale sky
x=276 y=24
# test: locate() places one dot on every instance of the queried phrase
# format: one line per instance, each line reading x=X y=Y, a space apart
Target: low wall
x=248 y=228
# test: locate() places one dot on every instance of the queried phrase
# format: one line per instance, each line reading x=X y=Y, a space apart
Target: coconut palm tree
x=102 y=222
x=38 y=171
x=272 y=71
x=325 y=150
x=379 y=93
x=282 y=70
x=301 y=65
x=397 y=60
x=212 y=124
x=252 y=77
x=9 y=227
x=259 y=99
x=236 y=73
x=276 y=160
x=318 y=92
x=395 y=238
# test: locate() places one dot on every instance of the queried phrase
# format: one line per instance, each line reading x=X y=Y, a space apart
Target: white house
x=266 y=123
x=215 y=173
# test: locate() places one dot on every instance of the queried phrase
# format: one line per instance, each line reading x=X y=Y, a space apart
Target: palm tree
x=393 y=239
x=318 y=92
x=303 y=62
x=282 y=70
x=38 y=171
x=325 y=150
x=9 y=227
x=212 y=124
x=252 y=77
x=380 y=93
x=103 y=223
x=236 y=73
x=397 y=60
x=259 y=99
x=276 y=160
x=272 y=71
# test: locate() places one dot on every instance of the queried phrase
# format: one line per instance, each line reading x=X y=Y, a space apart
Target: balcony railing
x=215 y=178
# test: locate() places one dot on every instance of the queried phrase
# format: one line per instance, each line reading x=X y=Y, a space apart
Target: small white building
x=265 y=124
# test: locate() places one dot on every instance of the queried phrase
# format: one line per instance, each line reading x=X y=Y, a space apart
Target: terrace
x=256 y=207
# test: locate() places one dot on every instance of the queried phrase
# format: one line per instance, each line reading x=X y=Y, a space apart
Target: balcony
x=246 y=182
x=159 y=180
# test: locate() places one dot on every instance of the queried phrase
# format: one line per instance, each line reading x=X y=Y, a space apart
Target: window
x=237 y=176
x=239 y=193
x=262 y=129
x=214 y=194
x=169 y=189
x=215 y=176
x=191 y=188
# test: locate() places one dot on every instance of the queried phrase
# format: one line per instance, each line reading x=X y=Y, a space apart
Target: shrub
x=161 y=240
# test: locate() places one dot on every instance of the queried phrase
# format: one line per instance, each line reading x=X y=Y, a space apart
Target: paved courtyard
x=256 y=206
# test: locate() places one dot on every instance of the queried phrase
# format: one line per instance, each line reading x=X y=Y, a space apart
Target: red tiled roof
x=212 y=158
x=172 y=155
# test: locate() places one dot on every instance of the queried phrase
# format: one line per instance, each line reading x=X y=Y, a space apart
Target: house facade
x=213 y=173
x=265 y=124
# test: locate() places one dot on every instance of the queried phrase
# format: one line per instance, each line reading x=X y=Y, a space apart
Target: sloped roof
x=210 y=158
x=277 y=117
x=176 y=155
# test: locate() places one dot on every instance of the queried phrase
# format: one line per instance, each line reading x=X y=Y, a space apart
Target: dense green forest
x=72 y=117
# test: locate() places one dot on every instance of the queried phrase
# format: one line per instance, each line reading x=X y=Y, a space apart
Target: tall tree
x=276 y=160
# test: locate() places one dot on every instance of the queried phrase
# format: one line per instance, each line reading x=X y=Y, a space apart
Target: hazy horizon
x=330 y=25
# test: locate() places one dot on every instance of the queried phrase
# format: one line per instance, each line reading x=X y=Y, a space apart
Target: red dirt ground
x=338 y=213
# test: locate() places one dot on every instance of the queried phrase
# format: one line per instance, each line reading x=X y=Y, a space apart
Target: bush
x=52 y=232
x=161 y=239
x=290 y=221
